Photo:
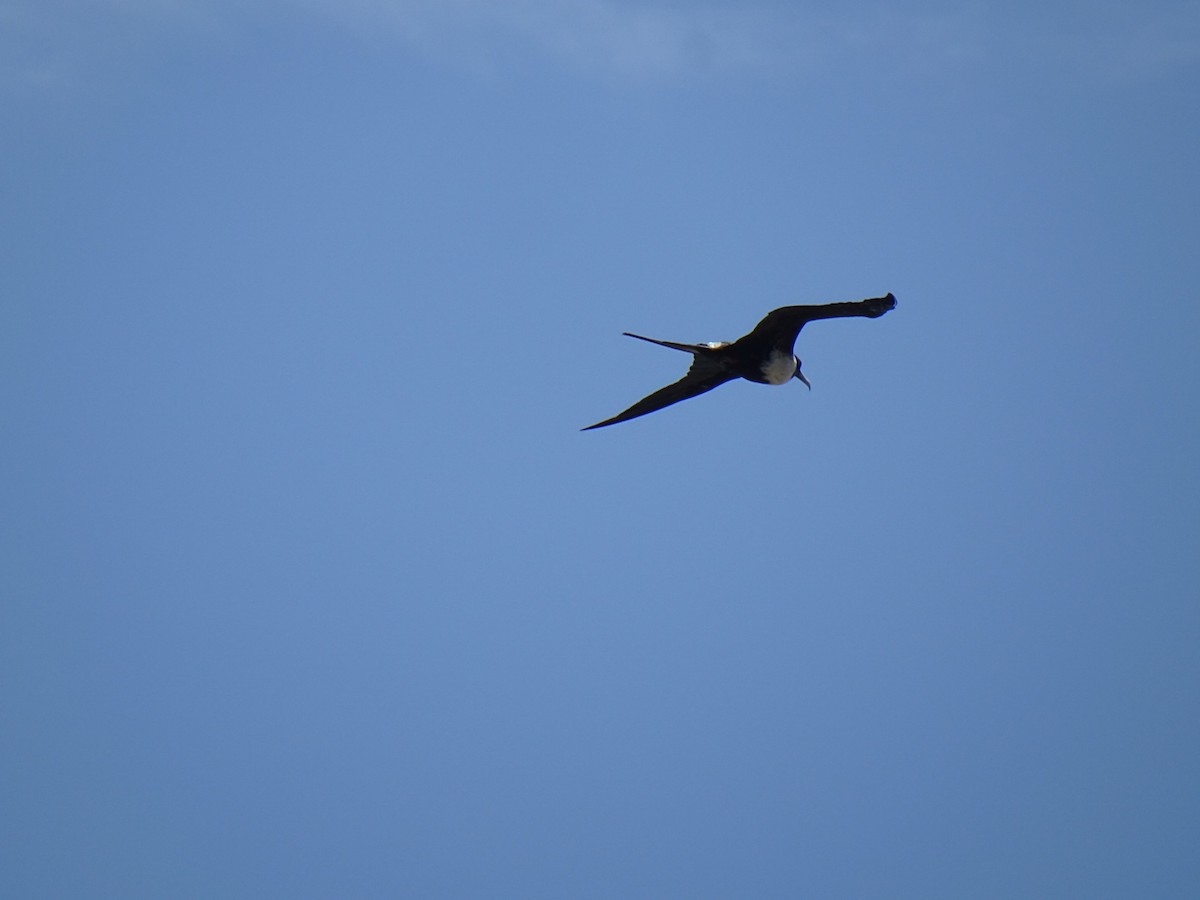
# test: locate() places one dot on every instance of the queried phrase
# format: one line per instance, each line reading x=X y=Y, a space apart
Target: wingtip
x=877 y=306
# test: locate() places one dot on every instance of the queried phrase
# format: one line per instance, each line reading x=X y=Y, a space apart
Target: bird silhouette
x=765 y=355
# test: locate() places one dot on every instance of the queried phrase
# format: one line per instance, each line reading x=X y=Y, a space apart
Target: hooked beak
x=800 y=375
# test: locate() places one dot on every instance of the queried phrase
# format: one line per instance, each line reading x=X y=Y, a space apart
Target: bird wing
x=780 y=327
x=703 y=376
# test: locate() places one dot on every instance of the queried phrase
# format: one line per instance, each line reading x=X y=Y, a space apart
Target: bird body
x=779 y=368
x=766 y=355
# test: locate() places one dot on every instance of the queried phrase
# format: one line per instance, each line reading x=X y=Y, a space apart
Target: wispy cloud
x=55 y=46
x=607 y=37
x=52 y=42
x=1123 y=41
x=644 y=38
x=55 y=40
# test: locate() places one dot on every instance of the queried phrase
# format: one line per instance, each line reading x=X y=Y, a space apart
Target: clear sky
x=311 y=587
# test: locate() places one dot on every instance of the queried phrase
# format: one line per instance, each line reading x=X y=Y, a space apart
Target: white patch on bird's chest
x=779 y=367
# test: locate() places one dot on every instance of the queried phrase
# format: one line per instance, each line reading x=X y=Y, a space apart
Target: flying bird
x=766 y=355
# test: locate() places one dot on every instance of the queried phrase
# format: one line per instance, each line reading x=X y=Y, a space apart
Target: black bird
x=766 y=354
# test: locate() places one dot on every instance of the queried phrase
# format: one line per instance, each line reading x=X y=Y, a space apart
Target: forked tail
x=687 y=348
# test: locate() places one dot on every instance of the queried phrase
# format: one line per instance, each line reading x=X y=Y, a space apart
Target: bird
x=766 y=355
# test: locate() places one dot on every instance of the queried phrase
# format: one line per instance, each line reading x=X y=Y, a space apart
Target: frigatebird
x=766 y=355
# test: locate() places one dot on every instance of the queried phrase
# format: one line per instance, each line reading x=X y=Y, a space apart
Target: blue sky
x=313 y=588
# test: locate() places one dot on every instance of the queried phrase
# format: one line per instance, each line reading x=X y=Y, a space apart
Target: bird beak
x=800 y=375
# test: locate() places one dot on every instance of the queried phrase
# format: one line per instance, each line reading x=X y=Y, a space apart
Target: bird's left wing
x=702 y=377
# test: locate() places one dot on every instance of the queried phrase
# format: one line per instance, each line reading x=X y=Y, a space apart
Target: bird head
x=800 y=375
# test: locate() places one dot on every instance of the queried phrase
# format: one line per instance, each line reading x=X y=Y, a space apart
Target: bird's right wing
x=780 y=327
x=702 y=377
